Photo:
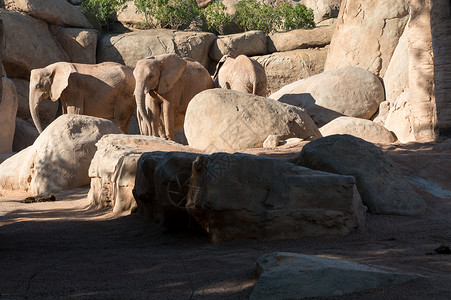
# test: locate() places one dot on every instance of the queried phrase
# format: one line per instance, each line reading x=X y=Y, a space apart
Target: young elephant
x=103 y=90
x=241 y=74
x=165 y=84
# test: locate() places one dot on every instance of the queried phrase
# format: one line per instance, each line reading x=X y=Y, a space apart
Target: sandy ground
x=63 y=249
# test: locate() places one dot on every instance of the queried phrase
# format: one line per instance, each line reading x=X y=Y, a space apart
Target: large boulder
x=128 y=48
x=47 y=108
x=285 y=275
x=367 y=34
x=348 y=91
x=130 y=16
x=79 y=44
x=8 y=110
x=226 y=120
x=20 y=43
x=379 y=181
x=302 y=63
x=58 y=12
x=323 y=9
x=59 y=158
x=300 y=39
x=248 y=43
x=361 y=128
x=114 y=166
x=239 y=196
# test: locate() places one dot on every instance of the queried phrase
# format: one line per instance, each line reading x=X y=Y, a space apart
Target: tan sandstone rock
x=300 y=39
x=240 y=196
x=361 y=128
x=79 y=44
x=58 y=12
x=59 y=158
x=380 y=183
x=323 y=9
x=8 y=110
x=248 y=43
x=399 y=118
x=367 y=34
x=301 y=63
x=20 y=43
x=348 y=91
x=128 y=48
x=130 y=16
x=114 y=166
x=226 y=120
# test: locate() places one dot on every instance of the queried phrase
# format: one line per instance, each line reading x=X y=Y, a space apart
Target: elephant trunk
x=140 y=97
x=34 y=105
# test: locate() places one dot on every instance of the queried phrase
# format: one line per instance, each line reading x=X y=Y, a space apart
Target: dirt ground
x=64 y=249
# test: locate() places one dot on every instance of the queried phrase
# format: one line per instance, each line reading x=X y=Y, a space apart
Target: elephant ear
x=60 y=79
x=172 y=67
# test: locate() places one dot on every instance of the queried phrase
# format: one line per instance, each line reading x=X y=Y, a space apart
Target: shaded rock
x=239 y=196
x=19 y=43
x=284 y=275
x=79 y=44
x=301 y=64
x=300 y=39
x=248 y=43
x=348 y=91
x=323 y=9
x=161 y=185
x=226 y=120
x=8 y=110
x=59 y=158
x=25 y=134
x=396 y=78
x=128 y=48
x=379 y=181
x=114 y=166
x=47 y=108
x=58 y=12
x=361 y=128
x=367 y=34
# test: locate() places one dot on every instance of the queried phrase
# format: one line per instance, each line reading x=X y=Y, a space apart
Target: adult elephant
x=241 y=74
x=100 y=90
x=165 y=84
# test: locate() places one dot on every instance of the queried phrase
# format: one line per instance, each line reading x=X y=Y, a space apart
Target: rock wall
x=441 y=45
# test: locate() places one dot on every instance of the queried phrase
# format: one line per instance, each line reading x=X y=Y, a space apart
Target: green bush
x=179 y=14
x=173 y=14
x=214 y=17
x=103 y=10
x=253 y=15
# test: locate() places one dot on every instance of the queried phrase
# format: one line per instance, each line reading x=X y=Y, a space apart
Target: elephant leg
x=155 y=112
x=169 y=119
x=122 y=115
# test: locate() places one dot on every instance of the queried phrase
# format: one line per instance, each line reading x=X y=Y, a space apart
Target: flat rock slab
x=240 y=196
x=296 y=276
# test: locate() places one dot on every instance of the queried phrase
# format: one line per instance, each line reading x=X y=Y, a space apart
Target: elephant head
x=47 y=83
x=155 y=75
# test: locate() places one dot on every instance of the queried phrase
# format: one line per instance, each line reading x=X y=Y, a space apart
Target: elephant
x=99 y=90
x=165 y=84
x=241 y=74
x=8 y=111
